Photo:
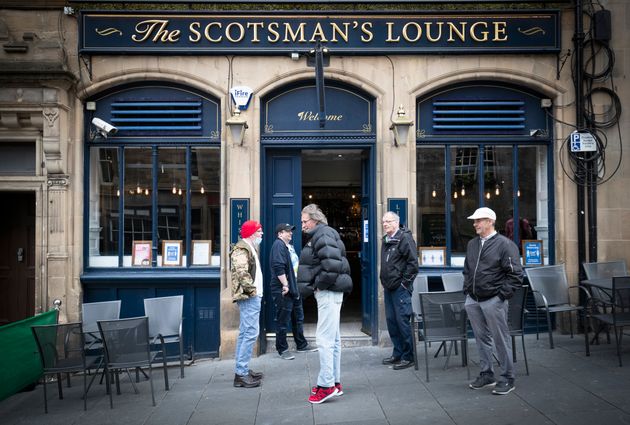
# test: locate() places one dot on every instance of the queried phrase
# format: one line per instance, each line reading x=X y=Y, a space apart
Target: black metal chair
x=126 y=345
x=516 y=320
x=444 y=320
x=420 y=284
x=61 y=350
x=165 y=326
x=551 y=292
x=615 y=313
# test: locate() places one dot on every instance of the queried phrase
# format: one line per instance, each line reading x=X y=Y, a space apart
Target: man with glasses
x=491 y=271
x=325 y=270
x=399 y=267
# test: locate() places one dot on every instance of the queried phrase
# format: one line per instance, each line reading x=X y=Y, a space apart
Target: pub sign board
x=282 y=33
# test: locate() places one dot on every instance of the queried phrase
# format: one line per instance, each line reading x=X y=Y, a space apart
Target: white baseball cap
x=483 y=212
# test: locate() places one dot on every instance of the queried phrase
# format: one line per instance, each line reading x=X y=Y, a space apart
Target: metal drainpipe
x=578 y=40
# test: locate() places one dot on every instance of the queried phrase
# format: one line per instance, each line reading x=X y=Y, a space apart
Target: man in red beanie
x=247 y=292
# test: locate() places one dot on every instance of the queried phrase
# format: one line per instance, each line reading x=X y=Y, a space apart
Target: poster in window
x=141 y=254
x=171 y=253
x=432 y=255
x=532 y=252
x=201 y=253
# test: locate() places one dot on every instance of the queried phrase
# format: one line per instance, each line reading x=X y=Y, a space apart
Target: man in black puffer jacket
x=325 y=271
x=399 y=267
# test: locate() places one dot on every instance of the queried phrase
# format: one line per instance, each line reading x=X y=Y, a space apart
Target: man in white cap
x=491 y=271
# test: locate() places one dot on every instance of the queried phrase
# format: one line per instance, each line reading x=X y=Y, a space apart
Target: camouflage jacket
x=243 y=271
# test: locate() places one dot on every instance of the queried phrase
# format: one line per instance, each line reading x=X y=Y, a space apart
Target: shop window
x=153 y=201
x=487 y=157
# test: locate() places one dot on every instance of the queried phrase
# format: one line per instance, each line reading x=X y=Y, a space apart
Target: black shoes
x=484 y=380
x=256 y=375
x=391 y=360
x=246 y=381
x=403 y=364
x=504 y=387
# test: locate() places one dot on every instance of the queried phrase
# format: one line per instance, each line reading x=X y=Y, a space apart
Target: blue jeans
x=247 y=333
x=398 y=314
x=289 y=309
x=328 y=337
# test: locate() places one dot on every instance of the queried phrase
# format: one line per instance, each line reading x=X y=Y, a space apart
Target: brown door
x=17 y=256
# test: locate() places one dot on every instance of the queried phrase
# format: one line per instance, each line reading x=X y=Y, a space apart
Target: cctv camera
x=103 y=127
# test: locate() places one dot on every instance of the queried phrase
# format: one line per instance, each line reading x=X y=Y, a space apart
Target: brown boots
x=246 y=381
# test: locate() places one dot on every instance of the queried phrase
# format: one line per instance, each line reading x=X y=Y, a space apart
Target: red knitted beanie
x=249 y=228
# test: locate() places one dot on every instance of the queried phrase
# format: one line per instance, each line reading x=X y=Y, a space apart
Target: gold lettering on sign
x=430 y=36
x=366 y=32
x=500 y=31
x=256 y=26
x=314 y=116
x=156 y=31
x=193 y=27
x=482 y=35
x=459 y=31
x=390 y=37
x=297 y=35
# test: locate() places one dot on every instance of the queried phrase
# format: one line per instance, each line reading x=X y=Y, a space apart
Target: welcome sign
x=342 y=33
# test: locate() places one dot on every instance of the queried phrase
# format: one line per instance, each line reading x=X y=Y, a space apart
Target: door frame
x=268 y=150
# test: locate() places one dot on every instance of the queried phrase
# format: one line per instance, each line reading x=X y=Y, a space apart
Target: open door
x=283 y=190
x=17 y=259
x=368 y=244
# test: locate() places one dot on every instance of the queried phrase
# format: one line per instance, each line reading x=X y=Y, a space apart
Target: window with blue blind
x=483 y=144
x=153 y=187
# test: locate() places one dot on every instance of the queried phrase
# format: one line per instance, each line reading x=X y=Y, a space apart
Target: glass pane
x=138 y=193
x=206 y=207
x=172 y=198
x=532 y=196
x=104 y=212
x=430 y=196
x=464 y=170
x=498 y=183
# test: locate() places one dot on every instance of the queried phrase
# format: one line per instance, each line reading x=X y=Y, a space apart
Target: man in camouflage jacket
x=247 y=291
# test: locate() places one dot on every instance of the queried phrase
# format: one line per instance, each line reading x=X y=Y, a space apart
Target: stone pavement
x=564 y=387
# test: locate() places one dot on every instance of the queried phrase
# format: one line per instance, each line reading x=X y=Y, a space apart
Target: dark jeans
x=289 y=312
x=398 y=313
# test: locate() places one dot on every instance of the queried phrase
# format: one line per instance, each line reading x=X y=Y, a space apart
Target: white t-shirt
x=258 y=281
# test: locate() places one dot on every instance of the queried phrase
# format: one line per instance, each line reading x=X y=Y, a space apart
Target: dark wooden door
x=282 y=204
x=17 y=256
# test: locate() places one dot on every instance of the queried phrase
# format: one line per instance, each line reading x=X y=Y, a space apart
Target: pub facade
x=136 y=141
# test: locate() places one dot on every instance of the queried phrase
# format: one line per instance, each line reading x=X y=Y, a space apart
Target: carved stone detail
x=51 y=116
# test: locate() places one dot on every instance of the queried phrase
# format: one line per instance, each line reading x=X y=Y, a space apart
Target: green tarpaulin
x=19 y=360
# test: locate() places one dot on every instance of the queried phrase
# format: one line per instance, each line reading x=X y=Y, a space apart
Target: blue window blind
x=152 y=116
x=479 y=115
x=170 y=113
x=480 y=109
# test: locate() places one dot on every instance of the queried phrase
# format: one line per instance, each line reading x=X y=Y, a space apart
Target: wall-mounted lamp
x=237 y=126
x=400 y=126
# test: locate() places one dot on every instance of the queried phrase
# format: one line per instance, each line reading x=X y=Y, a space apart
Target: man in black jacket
x=286 y=296
x=491 y=270
x=399 y=267
x=326 y=271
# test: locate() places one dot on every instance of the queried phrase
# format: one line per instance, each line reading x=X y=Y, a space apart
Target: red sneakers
x=322 y=394
x=337 y=385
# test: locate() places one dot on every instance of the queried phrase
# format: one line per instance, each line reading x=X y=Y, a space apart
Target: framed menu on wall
x=141 y=254
x=432 y=255
x=171 y=253
x=201 y=252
